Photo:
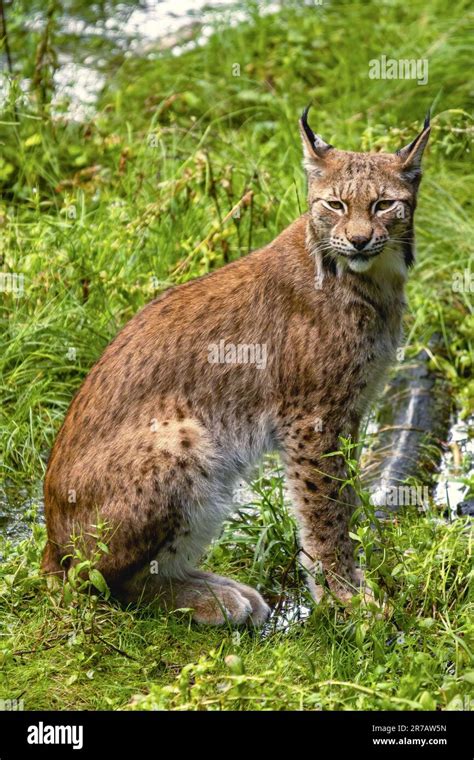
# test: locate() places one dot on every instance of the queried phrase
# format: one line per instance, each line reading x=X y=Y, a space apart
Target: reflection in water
x=86 y=44
x=287 y=612
x=154 y=26
x=450 y=490
x=15 y=506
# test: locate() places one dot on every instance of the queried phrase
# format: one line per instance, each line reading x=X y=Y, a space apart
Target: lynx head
x=362 y=204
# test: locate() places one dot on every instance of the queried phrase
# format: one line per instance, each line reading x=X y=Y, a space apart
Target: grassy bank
x=415 y=653
x=99 y=218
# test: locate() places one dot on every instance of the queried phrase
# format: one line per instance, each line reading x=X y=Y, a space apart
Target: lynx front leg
x=324 y=508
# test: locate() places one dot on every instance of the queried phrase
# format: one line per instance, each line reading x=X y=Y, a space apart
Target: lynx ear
x=314 y=147
x=411 y=155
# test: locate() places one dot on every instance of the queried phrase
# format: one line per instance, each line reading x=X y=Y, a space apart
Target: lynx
x=175 y=411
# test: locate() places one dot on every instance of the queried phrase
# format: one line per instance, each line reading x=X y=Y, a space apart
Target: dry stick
x=366 y=690
x=45 y=54
x=245 y=199
x=43 y=648
x=5 y=37
x=117 y=649
x=249 y=244
x=212 y=188
x=215 y=198
x=7 y=49
x=399 y=427
x=279 y=604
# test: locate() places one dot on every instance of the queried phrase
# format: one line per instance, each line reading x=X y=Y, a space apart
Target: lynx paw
x=218 y=606
x=260 y=609
x=218 y=601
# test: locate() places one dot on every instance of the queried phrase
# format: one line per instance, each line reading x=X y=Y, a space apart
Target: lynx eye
x=384 y=205
x=335 y=205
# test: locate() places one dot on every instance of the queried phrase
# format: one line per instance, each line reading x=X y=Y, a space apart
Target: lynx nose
x=359 y=241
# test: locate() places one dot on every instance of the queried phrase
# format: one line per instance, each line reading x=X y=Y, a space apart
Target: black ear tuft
x=411 y=154
x=313 y=145
x=427 y=119
x=304 y=123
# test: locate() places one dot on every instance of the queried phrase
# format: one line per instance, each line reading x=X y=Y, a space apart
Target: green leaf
x=99 y=582
x=32 y=140
x=67 y=593
x=426 y=701
x=426 y=622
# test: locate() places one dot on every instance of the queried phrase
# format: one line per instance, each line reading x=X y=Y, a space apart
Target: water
x=124 y=30
x=412 y=420
x=451 y=489
x=146 y=30
x=16 y=504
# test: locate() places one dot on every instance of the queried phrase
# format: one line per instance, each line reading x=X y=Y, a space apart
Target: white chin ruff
x=360 y=265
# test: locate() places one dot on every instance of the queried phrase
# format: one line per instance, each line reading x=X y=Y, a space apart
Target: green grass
x=100 y=218
x=414 y=652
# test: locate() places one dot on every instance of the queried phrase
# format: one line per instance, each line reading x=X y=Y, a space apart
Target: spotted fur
x=157 y=435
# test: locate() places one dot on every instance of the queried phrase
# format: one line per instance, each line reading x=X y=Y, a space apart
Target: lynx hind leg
x=173 y=580
x=171 y=504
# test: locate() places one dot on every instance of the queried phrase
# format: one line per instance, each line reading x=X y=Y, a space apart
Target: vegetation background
x=187 y=162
